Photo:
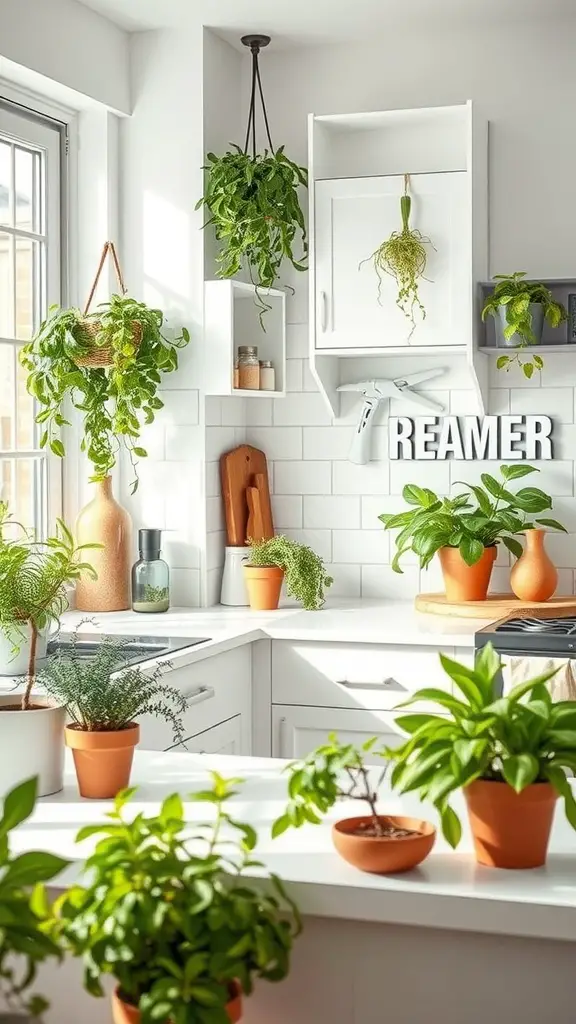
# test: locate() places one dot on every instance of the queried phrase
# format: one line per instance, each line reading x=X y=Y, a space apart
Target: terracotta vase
x=534 y=576
x=464 y=582
x=510 y=830
x=103 y=521
x=263 y=583
x=381 y=855
x=103 y=760
x=123 y=1013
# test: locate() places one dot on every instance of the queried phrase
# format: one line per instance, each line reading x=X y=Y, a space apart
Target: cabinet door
x=296 y=731
x=353 y=217
x=225 y=738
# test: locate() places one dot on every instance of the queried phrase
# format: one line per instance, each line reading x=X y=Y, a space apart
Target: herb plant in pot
x=509 y=754
x=376 y=843
x=103 y=698
x=519 y=308
x=465 y=530
x=33 y=579
x=168 y=912
x=25 y=913
x=271 y=561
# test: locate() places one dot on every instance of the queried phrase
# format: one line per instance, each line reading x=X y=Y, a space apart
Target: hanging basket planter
x=89 y=330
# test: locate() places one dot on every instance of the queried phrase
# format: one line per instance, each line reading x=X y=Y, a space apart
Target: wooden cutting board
x=496 y=606
x=241 y=468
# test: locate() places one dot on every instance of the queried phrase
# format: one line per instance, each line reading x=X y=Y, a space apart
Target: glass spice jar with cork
x=248 y=368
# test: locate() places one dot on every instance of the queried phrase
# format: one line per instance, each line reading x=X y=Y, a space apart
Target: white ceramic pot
x=12 y=664
x=31 y=743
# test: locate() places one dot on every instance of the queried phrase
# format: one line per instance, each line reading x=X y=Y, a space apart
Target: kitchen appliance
x=522 y=640
x=374 y=392
x=136 y=649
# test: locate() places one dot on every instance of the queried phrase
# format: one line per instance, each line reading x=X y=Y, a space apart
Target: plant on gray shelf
x=511 y=300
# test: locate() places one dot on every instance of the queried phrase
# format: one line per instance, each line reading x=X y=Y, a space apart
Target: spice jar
x=267 y=376
x=248 y=368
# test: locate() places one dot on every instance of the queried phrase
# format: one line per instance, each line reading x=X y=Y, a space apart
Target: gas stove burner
x=563 y=626
x=529 y=635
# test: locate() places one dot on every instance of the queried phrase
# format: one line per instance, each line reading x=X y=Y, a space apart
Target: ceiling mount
x=255 y=43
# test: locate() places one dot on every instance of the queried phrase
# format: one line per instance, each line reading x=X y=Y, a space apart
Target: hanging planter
x=252 y=199
x=403 y=256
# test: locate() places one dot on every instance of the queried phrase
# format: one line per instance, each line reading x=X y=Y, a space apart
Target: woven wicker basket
x=88 y=330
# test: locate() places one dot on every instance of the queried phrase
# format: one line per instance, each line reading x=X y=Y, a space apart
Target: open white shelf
x=231 y=319
x=494 y=350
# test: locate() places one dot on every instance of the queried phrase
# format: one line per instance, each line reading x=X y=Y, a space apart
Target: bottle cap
x=265 y=364
x=248 y=350
x=149 y=544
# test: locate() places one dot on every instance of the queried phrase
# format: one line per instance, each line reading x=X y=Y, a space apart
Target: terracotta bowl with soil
x=403 y=844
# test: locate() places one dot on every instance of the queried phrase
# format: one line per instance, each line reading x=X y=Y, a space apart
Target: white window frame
x=23 y=124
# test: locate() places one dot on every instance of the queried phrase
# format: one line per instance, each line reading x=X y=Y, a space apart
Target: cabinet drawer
x=297 y=731
x=356 y=676
x=215 y=690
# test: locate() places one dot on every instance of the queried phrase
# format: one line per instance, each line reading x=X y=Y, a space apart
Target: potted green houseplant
x=109 y=365
x=270 y=561
x=509 y=754
x=519 y=308
x=103 y=699
x=24 y=944
x=33 y=580
x=168 y=912
x=465 y=530
x=376 y=843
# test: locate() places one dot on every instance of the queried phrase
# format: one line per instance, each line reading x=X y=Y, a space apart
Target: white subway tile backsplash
x=185 y=588
x=331 y=511
x=432 y=474
x=277 y=442
x=287 y=511
x=297 y=343
x=220 y=440
x=153 y=440
x=212 y=411
x=562 y=549
x=382 y=581
x=347 y=478
x=556 y=478
x=184 y=443
x=362 y=546
x=294 y=374
x=301 y=410
x=513 y=376
x=308 y=382
x=375 y=505
x=233 y=410
x=213 y=488
x=498 y=402
x=319 y=540
x=346 y=580
x=180 y=407
x=213 y=586
x=215 y=544
x=214 y=514
x=462 y=402
x=259 y=412
x=302 y=478
x=556 y=402
x=559 y=367
x=326 y=442
x=180 y=551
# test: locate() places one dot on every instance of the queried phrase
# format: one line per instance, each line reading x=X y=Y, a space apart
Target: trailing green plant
x=115 y=401
x=254 y=207
x=470 y=521
x=168 y=912
x=519 y=739
x=514 y=294
x=403 y=256
x=335 y=771
x=106 y=693
x=305 y=572
x=33 y=578
x=24 y=909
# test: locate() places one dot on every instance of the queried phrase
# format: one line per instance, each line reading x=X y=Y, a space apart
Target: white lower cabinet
x=225 y=738
x=296 y=731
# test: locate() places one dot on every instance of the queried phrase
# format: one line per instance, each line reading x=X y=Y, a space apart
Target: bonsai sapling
x=305 y=572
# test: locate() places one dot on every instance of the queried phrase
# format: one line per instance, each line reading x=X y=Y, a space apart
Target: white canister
x=234 y=591
x=267 y=376
x=31 y=743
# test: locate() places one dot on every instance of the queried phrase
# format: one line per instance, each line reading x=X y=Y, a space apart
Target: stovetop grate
x=560 y=627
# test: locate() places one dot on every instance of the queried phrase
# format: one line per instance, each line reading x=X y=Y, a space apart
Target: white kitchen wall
x=319 y=497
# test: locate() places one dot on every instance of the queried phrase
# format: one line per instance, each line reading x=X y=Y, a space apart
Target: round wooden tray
x=496 y=606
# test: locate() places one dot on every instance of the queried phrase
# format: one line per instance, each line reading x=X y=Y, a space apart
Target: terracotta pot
x=103 y=521
x=103 y=760
x=123 y=1013
x=381 y=855
x=510 y=830
x=466 y=582
x=263 y=583
x=534 y=576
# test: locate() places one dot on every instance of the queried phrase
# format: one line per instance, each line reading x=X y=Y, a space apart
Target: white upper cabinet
x=357 y=309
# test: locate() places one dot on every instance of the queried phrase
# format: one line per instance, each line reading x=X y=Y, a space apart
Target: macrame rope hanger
x=255 y=44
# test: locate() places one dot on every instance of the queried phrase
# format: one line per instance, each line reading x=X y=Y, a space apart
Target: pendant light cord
x=251 y=127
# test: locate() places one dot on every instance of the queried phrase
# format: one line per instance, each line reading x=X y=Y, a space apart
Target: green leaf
x=556 y=776
x=172 y=809
x=517 y=470
x=532 y=500
x=18 y=805
x=446 y=700
x=466 y=680
x=553 y=524
x=451 y=827
x=35 y=866
x=502 y=361
x=281 y=825
x=528 y=369
x=471 y=549
x=140 y=452
x=414 y=495
x=520 y=770
x=57 y=448
x=513 y=545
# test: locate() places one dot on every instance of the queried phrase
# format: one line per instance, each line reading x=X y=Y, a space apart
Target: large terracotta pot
x=103 y=760
x=103 y=521
x=263 y=583
x=123 y=1013
x=381 y=855
x=464 y=582
x=510 y=830
x=534 y=576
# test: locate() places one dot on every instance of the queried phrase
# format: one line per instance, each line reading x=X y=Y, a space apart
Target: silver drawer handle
x=390 y=681
x=323 y=311
x=201 y=694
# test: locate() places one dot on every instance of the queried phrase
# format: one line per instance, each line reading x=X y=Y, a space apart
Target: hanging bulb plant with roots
x=404 y=257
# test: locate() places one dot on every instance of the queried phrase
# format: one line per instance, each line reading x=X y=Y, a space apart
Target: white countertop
x=449 y=890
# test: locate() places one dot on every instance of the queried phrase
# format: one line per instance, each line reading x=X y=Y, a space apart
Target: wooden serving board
x=242 y=468
x=496 y=606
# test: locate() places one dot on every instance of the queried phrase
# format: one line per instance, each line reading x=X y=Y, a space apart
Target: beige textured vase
x=103 y=521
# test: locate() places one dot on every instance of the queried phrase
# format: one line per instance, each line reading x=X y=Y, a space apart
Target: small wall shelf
x=554 y=338
x=499 y=350
x=231 y=318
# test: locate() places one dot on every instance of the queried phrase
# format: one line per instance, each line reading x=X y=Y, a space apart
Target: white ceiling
x=322 y=21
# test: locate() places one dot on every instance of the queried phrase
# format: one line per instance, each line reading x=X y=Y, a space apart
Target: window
x=30 y=253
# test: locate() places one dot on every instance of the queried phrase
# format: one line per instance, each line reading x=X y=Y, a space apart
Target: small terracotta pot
x=123 y=1013
x=263 y=583
x=534 y=576
x=103 y=760
x=381 y=855
x=464 y=582
x=510 y=830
